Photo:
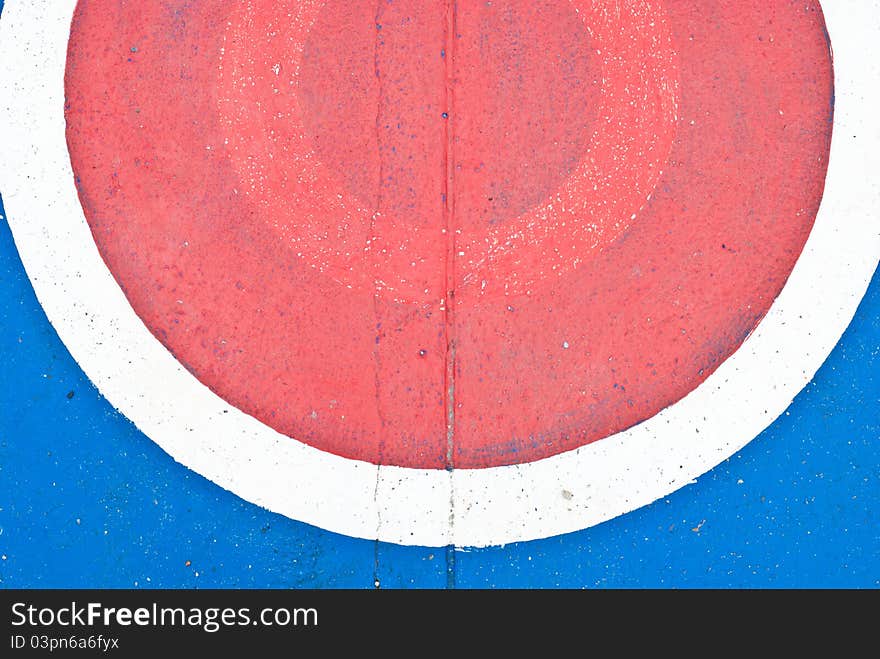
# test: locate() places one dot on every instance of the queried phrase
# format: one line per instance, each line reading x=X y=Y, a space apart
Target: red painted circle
x=614 y=198
x=374 y=117
x=542 y=130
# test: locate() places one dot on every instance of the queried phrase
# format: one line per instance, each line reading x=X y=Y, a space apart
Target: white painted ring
x=412 y=506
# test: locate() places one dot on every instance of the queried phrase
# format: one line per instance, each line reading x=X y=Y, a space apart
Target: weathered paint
x=89 y=501
x=411 y=504
x=595 y=224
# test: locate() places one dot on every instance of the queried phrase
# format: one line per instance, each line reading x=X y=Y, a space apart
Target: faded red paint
x=276 y=189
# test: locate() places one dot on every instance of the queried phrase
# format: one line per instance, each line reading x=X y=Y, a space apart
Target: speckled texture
x=817 y=537
x=467 y=234
x=88 y=501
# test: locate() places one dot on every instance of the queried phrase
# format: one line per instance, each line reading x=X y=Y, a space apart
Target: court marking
x=430 y=507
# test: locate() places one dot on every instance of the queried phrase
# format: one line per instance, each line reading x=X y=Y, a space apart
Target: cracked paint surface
x=450 y=234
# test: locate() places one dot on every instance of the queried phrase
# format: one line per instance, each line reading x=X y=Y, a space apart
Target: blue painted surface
x=87 y=501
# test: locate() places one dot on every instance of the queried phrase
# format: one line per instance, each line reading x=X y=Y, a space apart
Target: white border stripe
x=410 y=506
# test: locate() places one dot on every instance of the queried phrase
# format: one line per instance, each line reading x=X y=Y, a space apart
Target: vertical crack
x=377 y=23
x=377 y=211
x=377 y=582
x=448 y=302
